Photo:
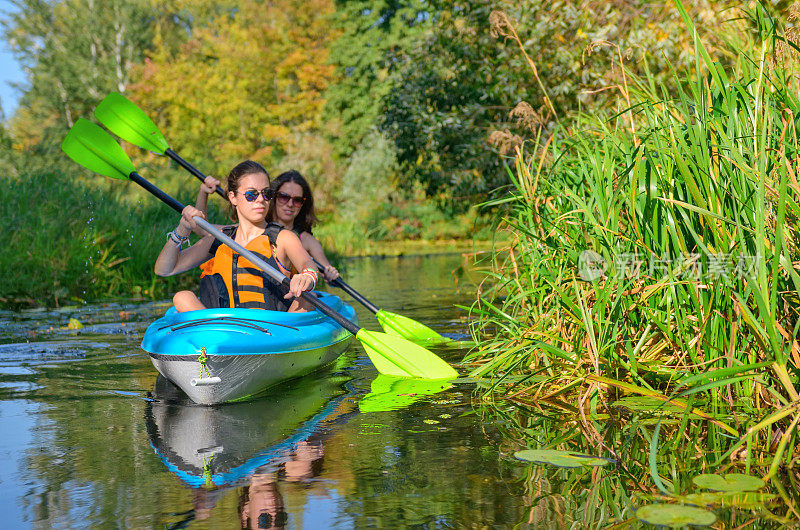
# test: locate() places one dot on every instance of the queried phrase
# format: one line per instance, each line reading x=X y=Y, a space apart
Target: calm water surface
x=93 y=438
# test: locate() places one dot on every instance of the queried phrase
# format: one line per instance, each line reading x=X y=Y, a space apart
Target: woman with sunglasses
x=292 y=207
x=229 y=280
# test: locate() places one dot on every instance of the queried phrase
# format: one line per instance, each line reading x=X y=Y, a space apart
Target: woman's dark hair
x=248 y=167
x=306 y=218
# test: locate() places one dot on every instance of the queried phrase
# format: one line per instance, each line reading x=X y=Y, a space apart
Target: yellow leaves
x=246 y=80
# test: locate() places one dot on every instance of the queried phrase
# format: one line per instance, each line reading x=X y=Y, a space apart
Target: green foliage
x=374 y=33
x=691 y=200
x=65 y=239
x=467 y=79
x=452 y=90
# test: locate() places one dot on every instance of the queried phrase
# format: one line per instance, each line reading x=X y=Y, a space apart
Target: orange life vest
x=247 y=286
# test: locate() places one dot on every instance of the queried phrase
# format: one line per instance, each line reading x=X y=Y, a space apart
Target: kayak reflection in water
x=230 y=280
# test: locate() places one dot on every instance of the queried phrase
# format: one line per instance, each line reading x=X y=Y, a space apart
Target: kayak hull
x=222 y=355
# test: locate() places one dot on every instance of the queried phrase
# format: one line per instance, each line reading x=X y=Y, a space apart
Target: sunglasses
x=284 y=198
x=251 y=195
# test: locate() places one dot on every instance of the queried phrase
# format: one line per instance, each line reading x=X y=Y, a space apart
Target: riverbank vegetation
x=648 y=298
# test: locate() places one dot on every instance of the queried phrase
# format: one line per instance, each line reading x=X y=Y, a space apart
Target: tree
x=481 y=71
x=375 y=33
x=455 y=87
x=246 y=80
x=74 y=52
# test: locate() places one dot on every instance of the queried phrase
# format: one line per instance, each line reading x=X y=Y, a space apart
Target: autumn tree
x=246 y=82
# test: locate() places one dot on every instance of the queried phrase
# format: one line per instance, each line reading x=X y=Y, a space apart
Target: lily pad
x=675 y=515
x=561 y=458
x=732 y=482
x=746 y=500
x=650 y=404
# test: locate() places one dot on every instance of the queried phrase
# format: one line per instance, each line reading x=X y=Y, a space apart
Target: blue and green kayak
x=221 y=355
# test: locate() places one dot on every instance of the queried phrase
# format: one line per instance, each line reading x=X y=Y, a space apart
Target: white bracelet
x=175 y=238
x=313 y=277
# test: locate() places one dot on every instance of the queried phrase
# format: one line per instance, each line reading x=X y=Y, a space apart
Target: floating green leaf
x=561 y=458
x=675 y=515
x=650 y=404
x=747 y=500
x=732 y=482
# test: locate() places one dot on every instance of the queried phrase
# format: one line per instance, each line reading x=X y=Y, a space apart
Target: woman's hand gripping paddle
x=92 y=147
x=122 y=117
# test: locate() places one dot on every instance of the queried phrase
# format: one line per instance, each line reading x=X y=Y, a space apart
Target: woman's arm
x=207 y=187
x=314 y=247
x=289 y=245
x=172 y=260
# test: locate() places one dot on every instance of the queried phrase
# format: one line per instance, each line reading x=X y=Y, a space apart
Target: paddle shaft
x=338 y=282
x=191 y=169
x=255 y=260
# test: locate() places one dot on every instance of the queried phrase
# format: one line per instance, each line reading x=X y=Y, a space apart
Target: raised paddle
x=95 y=149
x=122 y=117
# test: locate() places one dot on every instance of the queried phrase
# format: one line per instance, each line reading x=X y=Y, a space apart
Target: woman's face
x=288 y=202
x=254 y=211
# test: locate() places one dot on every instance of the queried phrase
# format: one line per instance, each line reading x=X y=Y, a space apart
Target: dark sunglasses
x=251 y=195
x=283 y=198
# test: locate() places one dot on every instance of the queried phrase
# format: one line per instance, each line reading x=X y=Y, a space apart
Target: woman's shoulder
x=228 y=230
x=306 y=235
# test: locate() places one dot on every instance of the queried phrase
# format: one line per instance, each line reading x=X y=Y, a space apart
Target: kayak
x=221 y=355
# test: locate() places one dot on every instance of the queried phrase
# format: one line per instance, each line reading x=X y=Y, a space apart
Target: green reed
x=685 y=205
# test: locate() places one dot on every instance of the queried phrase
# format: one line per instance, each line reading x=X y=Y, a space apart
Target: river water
x=93 y=438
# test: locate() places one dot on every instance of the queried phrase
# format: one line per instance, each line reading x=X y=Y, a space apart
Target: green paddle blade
x=130 y=123
x=410 y=329
x=389 y=392
x=93 y=148
x=397 y=356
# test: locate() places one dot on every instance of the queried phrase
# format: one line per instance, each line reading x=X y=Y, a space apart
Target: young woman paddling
x=230 y=280
x=292 y=206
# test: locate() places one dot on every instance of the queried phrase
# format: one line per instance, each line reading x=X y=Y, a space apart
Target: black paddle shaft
x=338 y=282
x=273 y=274
x=191 y=169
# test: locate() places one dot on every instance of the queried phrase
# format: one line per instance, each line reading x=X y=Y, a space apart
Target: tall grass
x=69 y=239
x=655 y=254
